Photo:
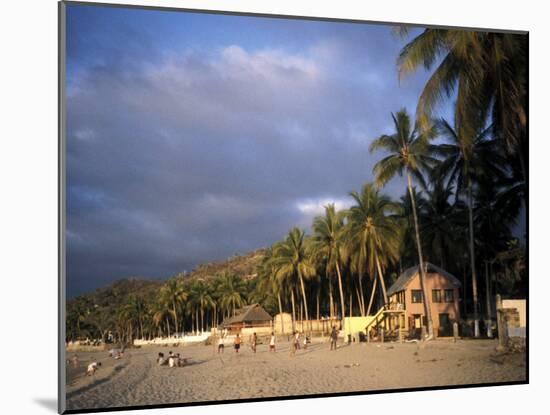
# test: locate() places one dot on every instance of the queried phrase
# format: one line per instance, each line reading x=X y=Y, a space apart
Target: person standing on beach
x=333 y=338
x=221 y=346
x=237 y=343
x=253 y=342
x=295 y=343
x=272 y=343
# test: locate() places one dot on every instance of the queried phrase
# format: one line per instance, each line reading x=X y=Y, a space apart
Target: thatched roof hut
x=249 y=316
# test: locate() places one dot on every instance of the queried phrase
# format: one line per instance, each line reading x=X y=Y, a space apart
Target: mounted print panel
x=260 y=207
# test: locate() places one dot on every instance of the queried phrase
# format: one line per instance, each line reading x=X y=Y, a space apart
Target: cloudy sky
x=192 y=137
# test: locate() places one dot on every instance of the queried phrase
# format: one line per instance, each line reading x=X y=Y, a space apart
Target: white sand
x=137 y=380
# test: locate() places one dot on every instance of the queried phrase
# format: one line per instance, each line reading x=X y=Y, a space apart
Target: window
x=449 y=296
x=416 y=296
x=436 y=296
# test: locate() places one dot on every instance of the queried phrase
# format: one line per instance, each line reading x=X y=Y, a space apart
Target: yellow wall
x=520 y=306
x=316 y=326
x=352 y=325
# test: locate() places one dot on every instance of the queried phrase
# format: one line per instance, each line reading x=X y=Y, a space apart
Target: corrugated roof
x=248 y=314
x=407 y=275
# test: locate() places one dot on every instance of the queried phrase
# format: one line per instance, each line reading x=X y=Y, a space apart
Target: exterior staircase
x=382 y=318
x=377 y=319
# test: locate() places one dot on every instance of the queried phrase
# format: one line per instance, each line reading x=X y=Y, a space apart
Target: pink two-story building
x=443 y=291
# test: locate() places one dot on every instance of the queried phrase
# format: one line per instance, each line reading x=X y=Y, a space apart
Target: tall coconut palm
x=327 y=246
x=173 y=291
x=373 y=232
x=231 y=292
x=291 y=261
x=136 y=305
x=200 y=295
x=487 y=72
x=409 y=154
x=466 y=160
x=161 y=311
x=407 y=252
x=439 y=219
x=268 y=283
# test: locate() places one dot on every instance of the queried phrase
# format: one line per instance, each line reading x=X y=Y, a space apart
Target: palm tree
x=231 y=292
x=161 y=311
x=409 y=153
x=487 y=72
x=373 y=232
x=136 y=305
x=292 y=262
x=439 y=219
x=174 y=293
x=464 y=162
x=327 y=246
x=200 y=293
x=268 y=284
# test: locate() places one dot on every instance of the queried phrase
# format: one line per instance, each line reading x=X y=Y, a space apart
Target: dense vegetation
x=465 y=186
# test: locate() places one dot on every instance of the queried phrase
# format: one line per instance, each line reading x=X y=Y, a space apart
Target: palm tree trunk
x=293 y=310
x=421 y=266
x=473 y=259
x=361 y=297
x=304 y=295
x=330 y=299
x=464 y=290
x=168 y=326
x=350 y=310
x=361 y=311
x=371 y=296
x=341 y=290
x=318 y=300
x=281 y=312
x=175 y=316
x=488 y=300
x=382 y=283
x=301 y=315
x=197 y=318
x=215 y=316
x=202 y=318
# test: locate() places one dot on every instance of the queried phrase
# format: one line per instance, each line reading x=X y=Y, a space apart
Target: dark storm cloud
x=198 y=155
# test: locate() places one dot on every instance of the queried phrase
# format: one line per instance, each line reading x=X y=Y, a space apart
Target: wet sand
x=136 y=379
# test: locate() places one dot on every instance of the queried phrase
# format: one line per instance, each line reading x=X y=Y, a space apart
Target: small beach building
x=443 y=290
x=250 y=316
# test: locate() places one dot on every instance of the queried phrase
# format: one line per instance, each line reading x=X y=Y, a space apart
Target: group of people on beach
x=296 y=342
x=253 y=340
x=172 y=360
x=175 y=360
x=94 y=365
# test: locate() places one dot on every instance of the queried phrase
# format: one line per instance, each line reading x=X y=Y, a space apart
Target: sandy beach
x=137 y=380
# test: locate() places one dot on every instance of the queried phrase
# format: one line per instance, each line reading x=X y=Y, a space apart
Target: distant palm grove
x=464 y=188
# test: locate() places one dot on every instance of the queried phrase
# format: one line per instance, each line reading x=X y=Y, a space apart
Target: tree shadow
x=48 y=403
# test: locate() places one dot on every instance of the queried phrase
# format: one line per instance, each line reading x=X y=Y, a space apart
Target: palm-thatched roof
x=254 y=313
x=407 y=275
